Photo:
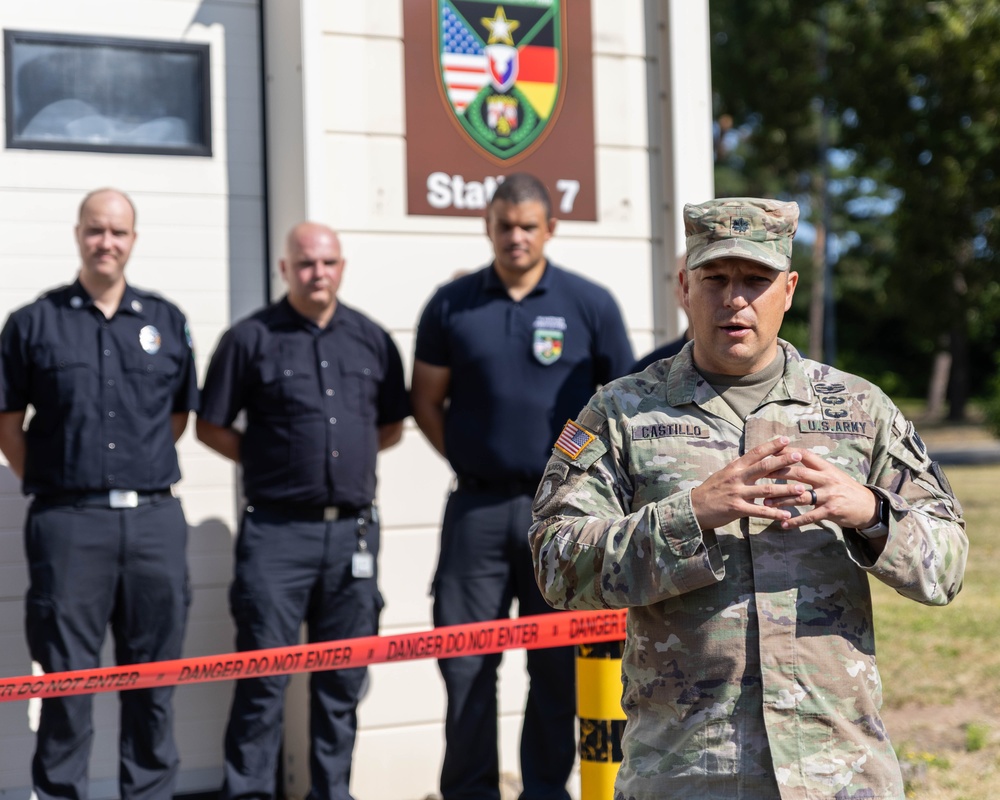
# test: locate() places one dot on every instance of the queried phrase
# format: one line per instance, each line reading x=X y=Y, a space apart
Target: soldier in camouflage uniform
x=735 y=499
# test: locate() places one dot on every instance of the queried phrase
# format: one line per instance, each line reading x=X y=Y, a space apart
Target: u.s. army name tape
x=530 y=633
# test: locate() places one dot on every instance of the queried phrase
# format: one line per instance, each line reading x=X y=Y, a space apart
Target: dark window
x=107 y=95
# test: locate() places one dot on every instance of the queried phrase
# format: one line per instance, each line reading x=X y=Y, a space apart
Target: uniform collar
x=795 y=383
x=686 y=385
x=492 y=282
x=131 y=302
x=288 y=315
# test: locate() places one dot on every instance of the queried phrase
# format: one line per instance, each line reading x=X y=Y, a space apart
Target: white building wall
x=336 y=153
x=200 y=223
x=681 y=157
x=354 y=179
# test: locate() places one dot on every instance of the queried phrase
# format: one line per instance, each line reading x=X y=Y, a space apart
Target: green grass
x=953 y=652
x=941 y=659
x=976 y=737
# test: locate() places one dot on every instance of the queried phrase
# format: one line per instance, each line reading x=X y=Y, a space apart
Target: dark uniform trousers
x=485 y=562
x=89 y=567
x=290 y=571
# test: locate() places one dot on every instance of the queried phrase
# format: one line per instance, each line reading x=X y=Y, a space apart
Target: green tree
x=778 y=135
x=905 y=97
x=921 y=82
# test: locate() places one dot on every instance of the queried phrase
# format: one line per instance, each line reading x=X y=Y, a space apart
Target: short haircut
x=119 y=192
x=522 y=187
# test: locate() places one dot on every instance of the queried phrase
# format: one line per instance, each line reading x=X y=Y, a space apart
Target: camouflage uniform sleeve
x=925 y=553
x=591 y=551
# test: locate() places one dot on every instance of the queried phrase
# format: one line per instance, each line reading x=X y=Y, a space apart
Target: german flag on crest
x=500 y=67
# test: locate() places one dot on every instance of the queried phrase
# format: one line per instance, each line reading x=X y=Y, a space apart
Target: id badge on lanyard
x=363 y=562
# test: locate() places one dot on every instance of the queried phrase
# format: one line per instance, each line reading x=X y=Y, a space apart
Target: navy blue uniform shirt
x=102 y=389
x=519 y=369
x=668 y=350
x=314 y=399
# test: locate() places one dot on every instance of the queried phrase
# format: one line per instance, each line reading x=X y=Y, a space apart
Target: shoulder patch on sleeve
x=574 y=439
x=593 y=421
x=907 y=446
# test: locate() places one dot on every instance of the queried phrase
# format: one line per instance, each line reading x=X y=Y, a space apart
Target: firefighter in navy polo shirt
x=504 y=356
x=323 y=390
x=109 y=372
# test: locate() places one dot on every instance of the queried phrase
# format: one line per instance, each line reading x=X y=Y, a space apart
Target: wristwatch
x=880 y=528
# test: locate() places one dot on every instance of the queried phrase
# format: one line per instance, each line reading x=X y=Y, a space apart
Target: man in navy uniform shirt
x=109 y=372
x=504 y=356
x=323 y=391
x=668 y=350
x=674 y=346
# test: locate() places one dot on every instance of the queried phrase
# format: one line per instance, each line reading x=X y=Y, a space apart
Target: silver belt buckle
x=122 y=498
x=331 y=514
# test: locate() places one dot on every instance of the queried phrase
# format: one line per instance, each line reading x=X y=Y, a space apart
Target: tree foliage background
x=882 y=118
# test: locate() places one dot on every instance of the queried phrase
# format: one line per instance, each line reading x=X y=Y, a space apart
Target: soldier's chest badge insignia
x=832 y=399
x=501 y=70
x=838 y=414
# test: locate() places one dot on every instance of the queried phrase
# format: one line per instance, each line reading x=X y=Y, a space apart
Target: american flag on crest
x=463 y=62
x=573 y=439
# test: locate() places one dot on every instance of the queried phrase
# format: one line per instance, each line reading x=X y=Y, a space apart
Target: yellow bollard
x=602 y=721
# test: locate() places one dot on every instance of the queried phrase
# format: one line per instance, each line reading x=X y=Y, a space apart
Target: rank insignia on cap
x=740 y=225
x=573 y=440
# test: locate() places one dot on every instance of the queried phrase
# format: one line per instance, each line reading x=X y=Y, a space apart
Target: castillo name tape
x=530 y=633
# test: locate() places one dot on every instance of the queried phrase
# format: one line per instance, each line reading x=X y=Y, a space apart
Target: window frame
x=200 y=52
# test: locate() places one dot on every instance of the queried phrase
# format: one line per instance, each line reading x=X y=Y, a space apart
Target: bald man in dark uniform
x=323 y=391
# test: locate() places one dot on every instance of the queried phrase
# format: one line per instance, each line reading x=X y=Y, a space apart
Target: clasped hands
x=732 y=492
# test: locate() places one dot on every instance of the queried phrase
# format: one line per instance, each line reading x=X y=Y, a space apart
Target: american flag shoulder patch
x=573 y=440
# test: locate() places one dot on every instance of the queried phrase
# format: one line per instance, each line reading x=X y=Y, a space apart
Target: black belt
x=299 y=512
x=510 y=487
x=115 y=498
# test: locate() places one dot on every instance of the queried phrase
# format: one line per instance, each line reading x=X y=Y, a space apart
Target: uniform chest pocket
x=672 y=456
x=286 y=389
x=361 y=387
x=151 y=379
x=851 y=451
x=61 y=380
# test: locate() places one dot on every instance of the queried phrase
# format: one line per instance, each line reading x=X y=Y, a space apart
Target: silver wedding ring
x=812 y=496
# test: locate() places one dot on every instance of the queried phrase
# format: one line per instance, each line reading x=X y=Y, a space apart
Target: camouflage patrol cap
x=741 y=227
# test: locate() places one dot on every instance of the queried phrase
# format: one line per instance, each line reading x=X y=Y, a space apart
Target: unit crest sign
x=497 y=87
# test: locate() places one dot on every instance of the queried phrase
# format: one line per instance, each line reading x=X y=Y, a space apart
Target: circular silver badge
x=137 y=306
x=149 y=338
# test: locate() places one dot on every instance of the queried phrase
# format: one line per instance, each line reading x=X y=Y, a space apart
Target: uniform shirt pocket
x=287 y=385
x=61 y=381
x=361 y=377
x=152 y=378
